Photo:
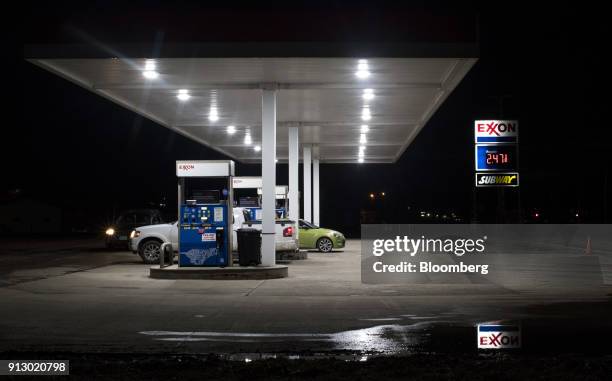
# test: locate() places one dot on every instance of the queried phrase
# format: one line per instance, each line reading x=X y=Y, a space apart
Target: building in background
x=27 y=216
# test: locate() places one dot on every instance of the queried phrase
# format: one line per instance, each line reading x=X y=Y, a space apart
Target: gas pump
x=254 y=211
x=205 y=219
x=281 y=193
x=282 y=201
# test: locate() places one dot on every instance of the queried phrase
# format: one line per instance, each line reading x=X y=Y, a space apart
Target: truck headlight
x=110 y=231
x=134 y=234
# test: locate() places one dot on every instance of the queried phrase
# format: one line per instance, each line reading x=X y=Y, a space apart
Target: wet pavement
x=95 y=301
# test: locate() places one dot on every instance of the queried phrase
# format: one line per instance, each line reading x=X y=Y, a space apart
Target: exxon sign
x=496 y=131
x=499 y=336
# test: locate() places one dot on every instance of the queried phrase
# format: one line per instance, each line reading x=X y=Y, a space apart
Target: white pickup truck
x=146 y=241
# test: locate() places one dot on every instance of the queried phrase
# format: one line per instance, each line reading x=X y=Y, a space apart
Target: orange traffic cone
x=588 y=249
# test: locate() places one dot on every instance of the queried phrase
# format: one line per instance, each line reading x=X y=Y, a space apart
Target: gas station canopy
x=338 y=103
x=354 y=93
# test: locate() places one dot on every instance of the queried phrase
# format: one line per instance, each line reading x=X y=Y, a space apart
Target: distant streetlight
x=372 y=195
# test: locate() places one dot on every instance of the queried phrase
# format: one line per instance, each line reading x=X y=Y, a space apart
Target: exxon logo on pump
x=499 y=336
x=496 y=131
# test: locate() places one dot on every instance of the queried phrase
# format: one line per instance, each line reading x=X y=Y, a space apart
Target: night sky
x=91 y=157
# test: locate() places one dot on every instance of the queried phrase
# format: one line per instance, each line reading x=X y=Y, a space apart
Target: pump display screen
x=248 y=202
x=496 y=157
x=205 y=196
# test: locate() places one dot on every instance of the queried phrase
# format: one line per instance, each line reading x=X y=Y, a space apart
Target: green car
x=324 y=240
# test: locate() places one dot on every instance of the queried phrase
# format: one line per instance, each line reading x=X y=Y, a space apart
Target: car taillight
x=288 y=232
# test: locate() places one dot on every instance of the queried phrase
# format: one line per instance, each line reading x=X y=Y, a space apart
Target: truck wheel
x=150 y=251
x=325 y=245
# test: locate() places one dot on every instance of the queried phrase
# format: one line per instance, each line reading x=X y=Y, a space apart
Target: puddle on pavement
x=377 y=340
x=381 y=319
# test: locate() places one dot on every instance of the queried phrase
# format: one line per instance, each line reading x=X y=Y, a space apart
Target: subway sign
x=507 y=179
x=496 y=157
x=496 y=131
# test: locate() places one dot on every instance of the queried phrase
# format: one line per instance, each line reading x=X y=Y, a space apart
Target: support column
x=294 y=164
x=268 y=175
x=307 y=183
x=315 y=192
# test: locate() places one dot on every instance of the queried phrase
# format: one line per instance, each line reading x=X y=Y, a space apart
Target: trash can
x=249 y=246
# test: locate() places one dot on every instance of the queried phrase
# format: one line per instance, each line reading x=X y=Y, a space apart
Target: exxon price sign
x=496 y=131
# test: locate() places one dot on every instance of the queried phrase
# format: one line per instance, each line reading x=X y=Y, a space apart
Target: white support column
x=315 y=191
x=268 y=175
x=307 y=183
x=294 y=173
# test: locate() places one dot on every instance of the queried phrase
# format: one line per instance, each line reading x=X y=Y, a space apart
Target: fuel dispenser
x=281 y=193
x=203 y=234
x=205 y=218
x=252 y=206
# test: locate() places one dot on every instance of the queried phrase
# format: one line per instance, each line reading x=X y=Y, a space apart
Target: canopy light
x=247 y=139
x=362 y=74
x=368 y=94
x=362 y=139
x=231 y=130
x=149 y=70
x=150 y=74
x=257 y=148
x=150 y=65
x=363 y=71
x=365 y=114
x=213 y=114
x=364 y=128
x=361 y=148
x=183 y=95
x=360 y=160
